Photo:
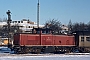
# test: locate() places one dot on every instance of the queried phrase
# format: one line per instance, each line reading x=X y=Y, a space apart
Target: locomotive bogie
x=42 y=49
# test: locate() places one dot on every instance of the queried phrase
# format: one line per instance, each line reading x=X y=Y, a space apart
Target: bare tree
x=88 y=26
x=80 y=27
x=53 y=24
x=70 y=26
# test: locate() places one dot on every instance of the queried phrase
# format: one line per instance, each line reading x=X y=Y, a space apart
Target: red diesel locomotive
x=42 y=41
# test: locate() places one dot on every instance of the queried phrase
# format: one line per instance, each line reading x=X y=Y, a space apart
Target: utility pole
x=8 y=24
x=38 y=14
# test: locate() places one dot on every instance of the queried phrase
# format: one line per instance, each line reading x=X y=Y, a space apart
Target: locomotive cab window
x=87 y=38
x=82 y=39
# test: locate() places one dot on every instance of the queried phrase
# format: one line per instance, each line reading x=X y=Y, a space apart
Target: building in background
x=25 y=25
x=64 y=29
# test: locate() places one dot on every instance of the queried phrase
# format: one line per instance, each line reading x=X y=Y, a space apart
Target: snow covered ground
x=5 y=54
x=47 y=57
x=5 y=50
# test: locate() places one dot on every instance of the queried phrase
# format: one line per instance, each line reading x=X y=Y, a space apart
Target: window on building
x=82 y=39
x=15 y=21
x=18 y=21
x=87 y=38
x=21 y=21
x=29 y=27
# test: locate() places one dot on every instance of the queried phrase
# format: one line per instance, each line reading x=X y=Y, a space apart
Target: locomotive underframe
x=43 y=49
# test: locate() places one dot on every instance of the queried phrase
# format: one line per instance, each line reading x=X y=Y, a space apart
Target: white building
x=2 y=24
x=64 y=29
x=24 y=25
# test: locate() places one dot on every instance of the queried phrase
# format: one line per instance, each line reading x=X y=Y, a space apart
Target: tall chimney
x=38 y=14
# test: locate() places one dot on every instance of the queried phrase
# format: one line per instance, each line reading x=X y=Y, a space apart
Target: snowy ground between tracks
x=47 y=57
x=6 y=54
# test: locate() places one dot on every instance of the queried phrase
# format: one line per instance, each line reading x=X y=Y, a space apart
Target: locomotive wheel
x=87 y=50
x=37 y=51
x=27 y=50
x=68 y=51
